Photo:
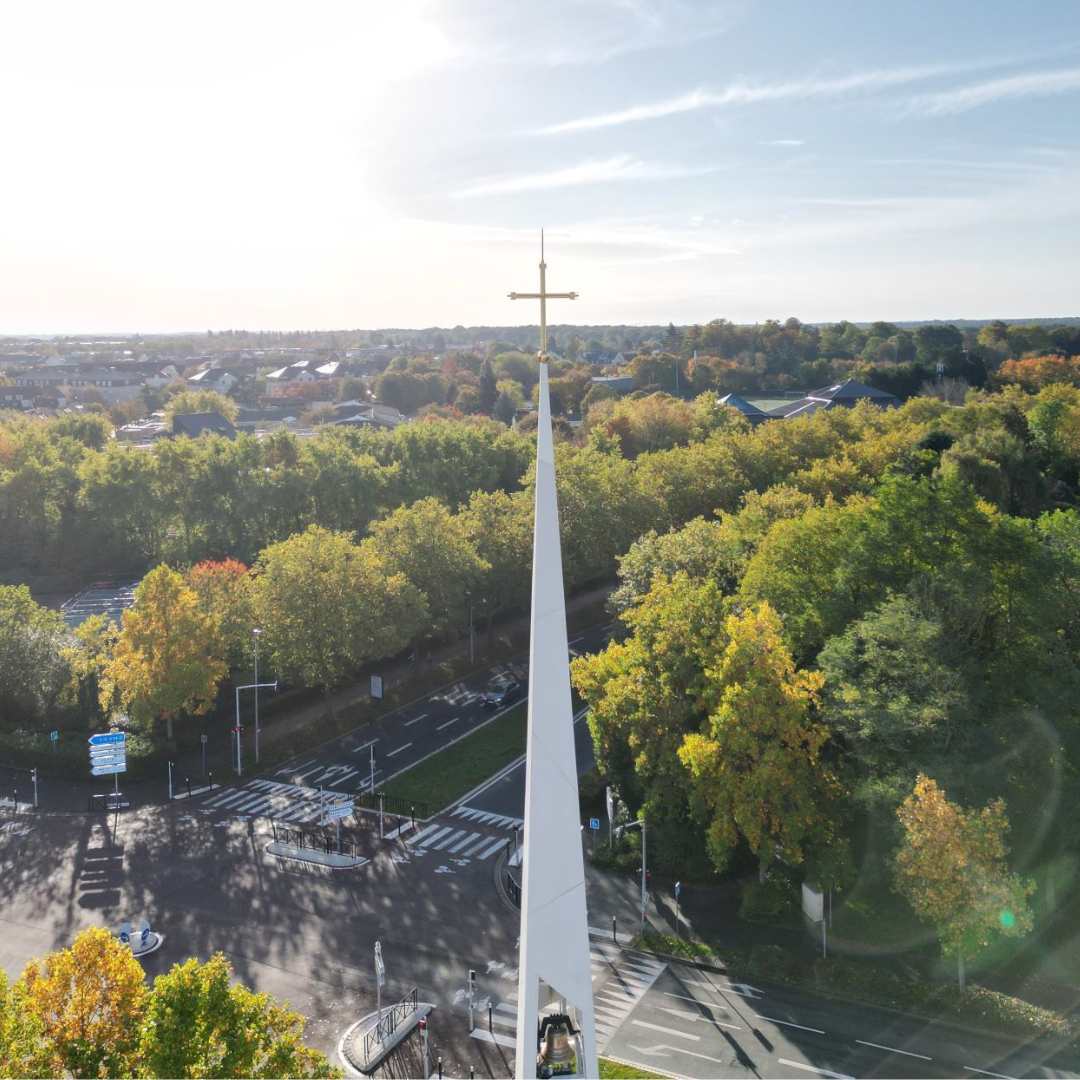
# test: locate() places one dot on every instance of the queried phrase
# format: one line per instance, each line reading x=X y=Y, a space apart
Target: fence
x=389 y=1022
x=513 y=889
x=392 y=804
x=323 y=840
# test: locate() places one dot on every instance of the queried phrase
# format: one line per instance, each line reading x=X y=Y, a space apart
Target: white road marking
x=971 y=1068
x=473 y=849
x=441 y=833
x=424 y=832
x=365 y=746
x=666 y=1031
x=788 y=1023
x=452 y=720
x=415 y=720
x=893 y=1050
x=399 y=749
x=697 y=1016
x=734 y=988
x=491 y=850
x=810 y=1068
x=487 y=1036
x=660 y=1050
x=704 y=1004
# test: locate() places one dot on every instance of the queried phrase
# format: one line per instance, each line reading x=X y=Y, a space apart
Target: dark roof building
x=195 y=424
x=847 y=393
x=751 y=412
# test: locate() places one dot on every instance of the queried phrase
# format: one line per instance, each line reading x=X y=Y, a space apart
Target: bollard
x=491 y=1023
x=210 y=777
x=187 y=780
x=472 y=1073
x=440 y=1068
x=614 y=939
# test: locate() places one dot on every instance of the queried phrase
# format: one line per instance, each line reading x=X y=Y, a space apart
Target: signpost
x=376 y=686
x=108 y=757
x=335 y=812
x=202 y=739
x=813 y=905
x=54 y=738
x=594 y=824
x=678 y=922
x=380 y=978
x=609 y=800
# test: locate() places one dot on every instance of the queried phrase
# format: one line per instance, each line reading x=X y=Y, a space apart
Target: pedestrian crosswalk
x=462 y=843
x=620 y=980
x=269 y=798
x=482 y=817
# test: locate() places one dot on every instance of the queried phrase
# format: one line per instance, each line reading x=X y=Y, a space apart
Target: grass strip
x=610 y=1069
x=459 y=768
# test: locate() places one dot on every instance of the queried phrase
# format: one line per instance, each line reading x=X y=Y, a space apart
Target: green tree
x=432 y=549
x=326 y=605
x=167 y=660
x=33 y=670
x=488 y=390
x=505 y=407
x=24 y=1049
x=198 y=1023
x=91 y=430
x=201 y=401
x=951 y=867
x=756 y=769
x=224 y=589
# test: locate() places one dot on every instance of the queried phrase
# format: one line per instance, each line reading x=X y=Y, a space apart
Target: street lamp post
x=472 y=650
x=255 y=634
x=644 y=872
x=238 y=730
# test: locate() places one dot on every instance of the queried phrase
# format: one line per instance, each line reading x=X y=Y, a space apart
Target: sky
x=226 y=164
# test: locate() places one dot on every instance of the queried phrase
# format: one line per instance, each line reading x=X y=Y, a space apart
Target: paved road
x=699 y=1024
x=399 y=740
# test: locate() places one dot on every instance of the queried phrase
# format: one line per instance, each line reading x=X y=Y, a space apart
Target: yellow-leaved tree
x=168 y=658
x=756 y=766
x=951 y=867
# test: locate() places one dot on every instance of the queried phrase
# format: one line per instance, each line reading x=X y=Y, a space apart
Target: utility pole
x=255 y=634
x=372 y=748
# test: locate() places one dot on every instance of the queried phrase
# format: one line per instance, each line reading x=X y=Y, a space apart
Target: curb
x=423 y=1009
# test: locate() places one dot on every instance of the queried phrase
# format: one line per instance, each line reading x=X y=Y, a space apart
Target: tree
x=432 y=549
x=225 y=595
x=198 y=1023
x=89 y=1001
x=88 y=659
x=951 y=867
x=488 y=391
x=92 y=430
x=33 y=672
x=24 y=1050
x=201 y=401
x=756 y=768
x=168 y=659
x=505 y=407
x=326 y=605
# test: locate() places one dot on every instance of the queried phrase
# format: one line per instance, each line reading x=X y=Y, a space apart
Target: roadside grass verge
x=459 y=768
x=610 y=1069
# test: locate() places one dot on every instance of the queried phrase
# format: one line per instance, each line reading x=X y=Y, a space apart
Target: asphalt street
x=396 y=742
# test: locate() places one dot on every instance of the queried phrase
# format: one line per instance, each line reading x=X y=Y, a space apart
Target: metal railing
x=391 y=1019
x=392 y=804
x=323 y=840
x=513 y=889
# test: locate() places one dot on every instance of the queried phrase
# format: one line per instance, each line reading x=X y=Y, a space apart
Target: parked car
x=500 y=693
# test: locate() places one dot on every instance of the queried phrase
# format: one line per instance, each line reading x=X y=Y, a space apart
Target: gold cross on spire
x=543 y=296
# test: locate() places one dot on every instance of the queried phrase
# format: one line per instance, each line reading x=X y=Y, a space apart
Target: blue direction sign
x=106 y=738
x=339 y=810
x=594 y=823
x=54 y=736
x=108 y=759
x=108 y=770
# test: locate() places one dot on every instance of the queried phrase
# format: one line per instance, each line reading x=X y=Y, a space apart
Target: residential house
x=195 y=424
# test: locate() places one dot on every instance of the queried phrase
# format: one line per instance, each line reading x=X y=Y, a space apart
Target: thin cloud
x=784 y=142
x=745 y=94
x=1037 y=84
x=615 y=169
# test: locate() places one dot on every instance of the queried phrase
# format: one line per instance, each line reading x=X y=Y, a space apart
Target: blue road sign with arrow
x=105 y=738
x=109 y=770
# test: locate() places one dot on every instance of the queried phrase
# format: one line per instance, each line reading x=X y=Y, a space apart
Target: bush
x=772 y=900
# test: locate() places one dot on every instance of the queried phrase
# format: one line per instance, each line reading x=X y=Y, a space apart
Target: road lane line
x=399 y=749
x=810 y=1068
x=452 y=720
x=415 y=720
x=893 y=1050
x=697 y=1016
x=788 y=1023
x=365 y=746
x=716 y=988
x=666 y=1030
x=971 y=1068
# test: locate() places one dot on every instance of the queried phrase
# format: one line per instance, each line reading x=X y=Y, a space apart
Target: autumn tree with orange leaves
x=951 y=867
